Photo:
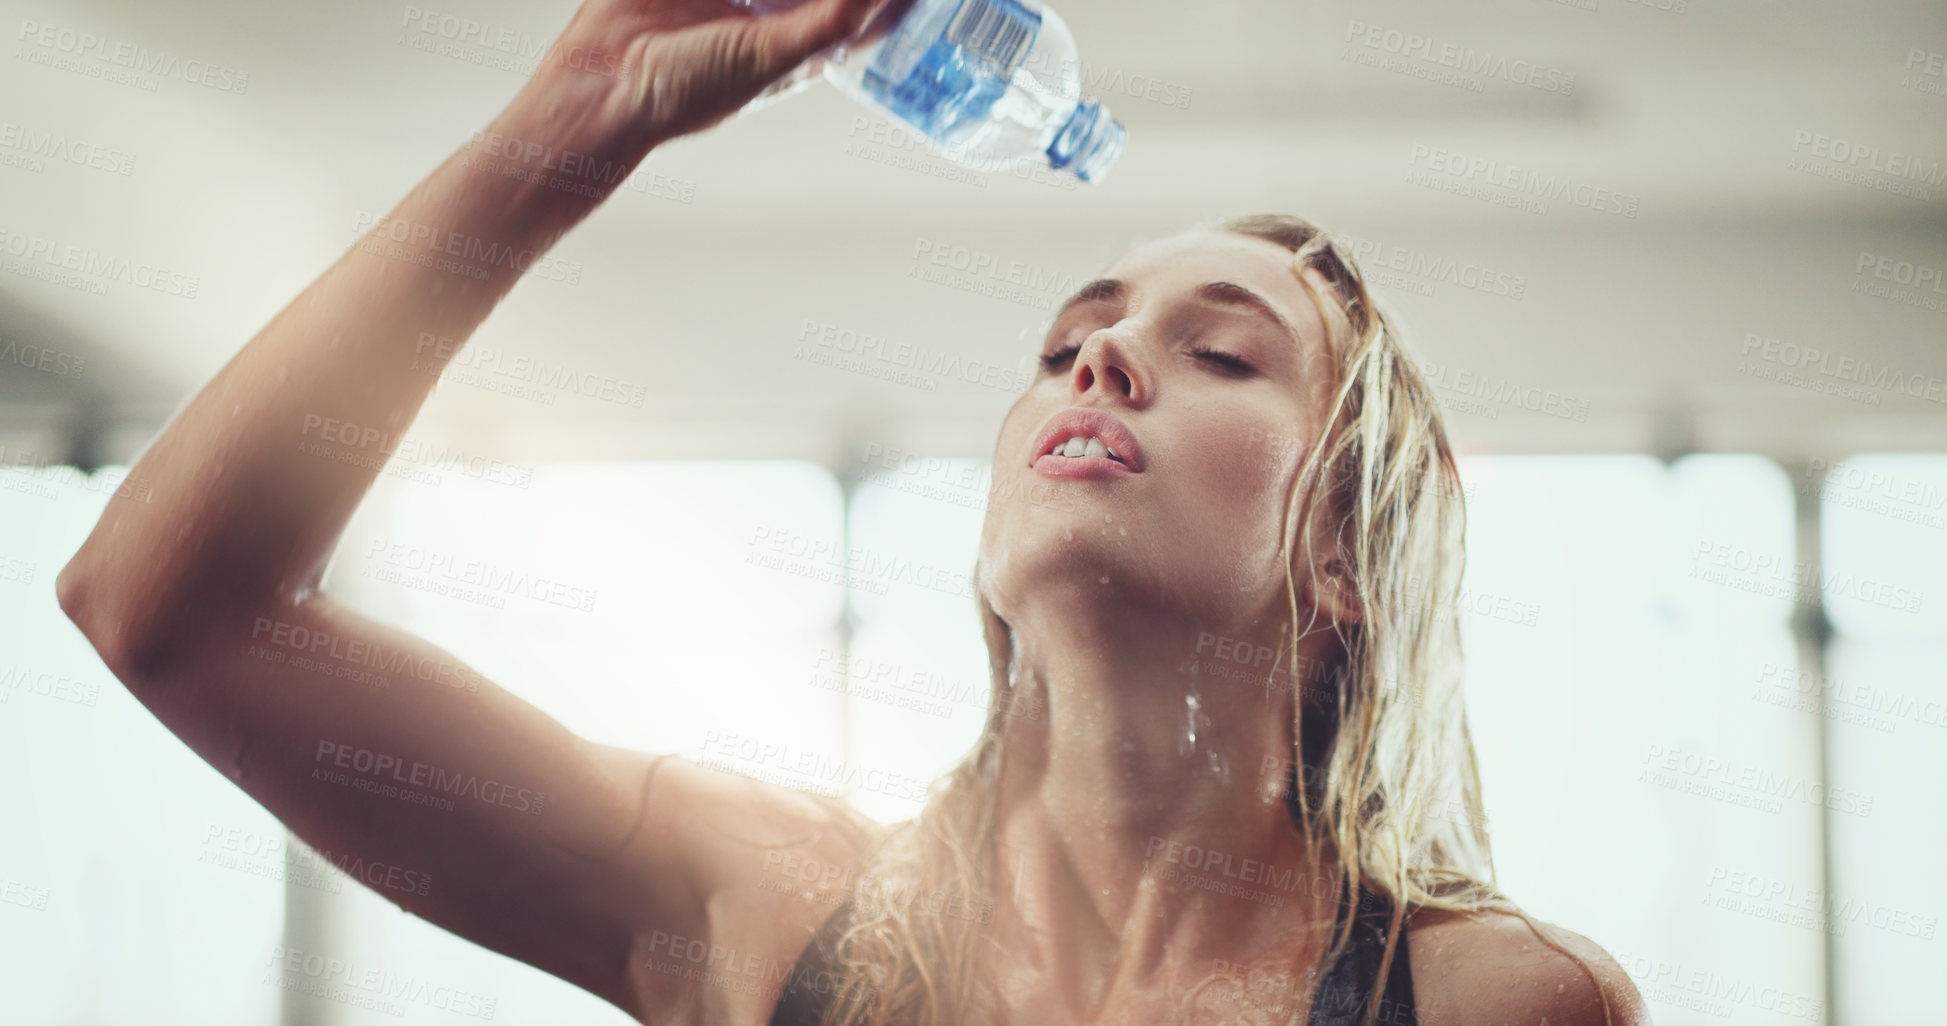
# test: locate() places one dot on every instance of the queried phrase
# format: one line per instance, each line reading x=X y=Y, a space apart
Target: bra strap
x=1344 y=993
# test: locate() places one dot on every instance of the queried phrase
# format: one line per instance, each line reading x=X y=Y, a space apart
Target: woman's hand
x=669 y=68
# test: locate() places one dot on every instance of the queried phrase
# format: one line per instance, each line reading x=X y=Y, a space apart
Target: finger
x=794 y=36
x=885 y=20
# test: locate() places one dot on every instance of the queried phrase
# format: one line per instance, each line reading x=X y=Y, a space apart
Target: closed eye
x=1055 y=359
x=1230 y=360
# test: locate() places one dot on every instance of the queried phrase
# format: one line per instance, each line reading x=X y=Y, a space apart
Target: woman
x=1159 y=842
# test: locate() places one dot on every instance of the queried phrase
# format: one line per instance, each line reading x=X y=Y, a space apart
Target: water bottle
x=989 y=84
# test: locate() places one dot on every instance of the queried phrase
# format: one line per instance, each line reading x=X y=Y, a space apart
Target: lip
x=1081 y=420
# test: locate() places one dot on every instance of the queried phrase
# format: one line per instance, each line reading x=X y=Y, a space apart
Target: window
x=669 y=607
x=1884 y=521
x=1648 y=736
x=136 y=884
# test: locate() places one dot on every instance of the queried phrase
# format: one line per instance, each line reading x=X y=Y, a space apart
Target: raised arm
x=373 y=745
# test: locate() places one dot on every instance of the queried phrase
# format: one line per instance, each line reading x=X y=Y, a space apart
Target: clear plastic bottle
x=990 y=84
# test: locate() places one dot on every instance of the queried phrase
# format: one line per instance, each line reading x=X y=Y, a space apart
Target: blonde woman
x=1245 y=461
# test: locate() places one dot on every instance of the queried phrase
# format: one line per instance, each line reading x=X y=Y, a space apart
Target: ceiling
x=1652 y=326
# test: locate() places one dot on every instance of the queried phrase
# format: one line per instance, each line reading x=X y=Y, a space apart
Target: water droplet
x=233 y=767
x=1194 y=721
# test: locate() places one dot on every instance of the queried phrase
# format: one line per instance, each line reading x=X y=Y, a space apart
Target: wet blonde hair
x=1394 y=798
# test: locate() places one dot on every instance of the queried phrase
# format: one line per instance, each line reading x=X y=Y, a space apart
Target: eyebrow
x=1216 y=293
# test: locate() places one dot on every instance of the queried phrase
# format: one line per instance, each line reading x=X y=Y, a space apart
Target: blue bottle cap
x=1088 y=144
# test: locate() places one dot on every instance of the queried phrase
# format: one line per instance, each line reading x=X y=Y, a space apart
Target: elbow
x=71 y=591
x=75 y=591
x=128 y=651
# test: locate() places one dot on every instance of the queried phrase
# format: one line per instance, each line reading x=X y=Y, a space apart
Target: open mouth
x=1084 y=442
x=1077 y=446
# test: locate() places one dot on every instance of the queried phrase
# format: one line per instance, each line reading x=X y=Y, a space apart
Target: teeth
x=1085 y=445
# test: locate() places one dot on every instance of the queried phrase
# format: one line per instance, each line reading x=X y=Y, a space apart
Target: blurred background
x=1674 y=266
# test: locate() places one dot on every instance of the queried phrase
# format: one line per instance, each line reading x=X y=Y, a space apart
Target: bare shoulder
x=762 y=867
x=1496 y=968
x=738 y=833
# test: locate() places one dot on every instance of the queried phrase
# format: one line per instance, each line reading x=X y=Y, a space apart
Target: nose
x=1107 y=359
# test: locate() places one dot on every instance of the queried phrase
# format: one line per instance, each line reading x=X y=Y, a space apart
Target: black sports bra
x=1341 y=998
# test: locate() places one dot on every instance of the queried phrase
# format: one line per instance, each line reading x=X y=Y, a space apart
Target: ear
x=1330 y=590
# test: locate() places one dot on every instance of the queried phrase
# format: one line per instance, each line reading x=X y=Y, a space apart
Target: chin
x=1073 y=554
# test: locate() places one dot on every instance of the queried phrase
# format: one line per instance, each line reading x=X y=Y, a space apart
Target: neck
x=1147 y=802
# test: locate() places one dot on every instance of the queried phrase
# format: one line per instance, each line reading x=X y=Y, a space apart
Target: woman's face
x=1221 y=398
